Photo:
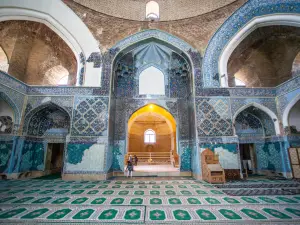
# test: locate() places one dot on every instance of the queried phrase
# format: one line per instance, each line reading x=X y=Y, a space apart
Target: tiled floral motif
x=269 y=157
x=32 y=156
x=254 y=122
x=118 y=156
x=75 y=152
x=5 y=152
x=213 y=117
x=90 y=116
x=50 y=117
x=185 y=156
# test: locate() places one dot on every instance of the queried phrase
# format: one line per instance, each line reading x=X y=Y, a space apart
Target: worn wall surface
x=36 y=54
x=196 y=30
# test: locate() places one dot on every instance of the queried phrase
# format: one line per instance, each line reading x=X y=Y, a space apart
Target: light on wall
x=152 y=11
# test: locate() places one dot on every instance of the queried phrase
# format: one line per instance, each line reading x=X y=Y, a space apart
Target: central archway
x=152 y=138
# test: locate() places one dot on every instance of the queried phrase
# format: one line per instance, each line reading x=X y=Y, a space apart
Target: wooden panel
x=296 y=171
x=294 y=156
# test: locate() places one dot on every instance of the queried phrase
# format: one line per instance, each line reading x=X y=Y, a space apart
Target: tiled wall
x=98 y=121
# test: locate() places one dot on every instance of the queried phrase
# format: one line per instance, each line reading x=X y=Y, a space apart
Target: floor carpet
x=143 y=201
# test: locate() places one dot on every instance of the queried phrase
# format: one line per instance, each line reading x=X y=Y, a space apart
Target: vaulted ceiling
x=266 y=57
x=35 y=54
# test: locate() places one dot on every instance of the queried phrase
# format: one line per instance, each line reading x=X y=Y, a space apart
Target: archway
x=291 y=121
x=152 y=139
x=73 y=31
x=3 y=60
x=226 y=39
x=36 y=61
x=6 y=117
x=176 y=62
x=49 y=125
x=7 y=121
x=257 y=156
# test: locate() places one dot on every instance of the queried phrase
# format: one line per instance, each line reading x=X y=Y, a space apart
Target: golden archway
x=162 y=149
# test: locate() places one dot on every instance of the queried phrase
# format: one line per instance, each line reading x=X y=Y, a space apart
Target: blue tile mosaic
x=32 y=156
x=5 y=153
x=90 y=116
x=213 y=117
x=98 y=120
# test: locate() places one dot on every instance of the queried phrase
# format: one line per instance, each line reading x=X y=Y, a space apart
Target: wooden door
x=295 y=161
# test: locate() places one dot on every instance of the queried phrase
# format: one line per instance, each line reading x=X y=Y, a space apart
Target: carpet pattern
x=141 y=201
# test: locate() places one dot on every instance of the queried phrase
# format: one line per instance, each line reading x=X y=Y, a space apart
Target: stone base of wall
x=85 y=176
x=197 y=176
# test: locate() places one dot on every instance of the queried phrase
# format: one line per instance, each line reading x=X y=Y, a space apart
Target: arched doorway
x=6 y=117
x=293 y=129
x=47 y=128
x=153 y=67
x=7 y=120
x=257 y=156
x=152 y=138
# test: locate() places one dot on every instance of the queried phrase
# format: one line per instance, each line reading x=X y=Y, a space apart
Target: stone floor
x=144 y=201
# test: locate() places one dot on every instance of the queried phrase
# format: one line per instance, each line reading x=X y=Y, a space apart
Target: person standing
x=130 y=158
x=135 y=160
x=129 y=168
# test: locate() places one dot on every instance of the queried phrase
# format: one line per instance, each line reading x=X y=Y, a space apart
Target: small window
x=239 y=83
x=151 y=82
x=152 y=10
x=150 y=136
x=64 y=80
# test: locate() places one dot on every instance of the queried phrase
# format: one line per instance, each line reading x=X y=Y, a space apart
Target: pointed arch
x=182 y=48
x=286 y=112
x=156 y=109
x=7 y=99
x=264 y=109
x=151 y=81
x=53 y=14
x=4 y=64
x=40 y=108
x=252 y=14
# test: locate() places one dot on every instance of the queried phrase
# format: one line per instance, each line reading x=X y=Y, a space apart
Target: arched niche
x=165 y=62
x=73 y=31
x=59 y=75
x=6 y=117
x=294 y=119
x=250 y=16
x=267 y=118
x=42 y=58
x=265 y=57
x=10 y=104
x=49 y=119
x=151 y=82
x=296 y=66
x=3 y=60
x=155 y=121
x=285 y=114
